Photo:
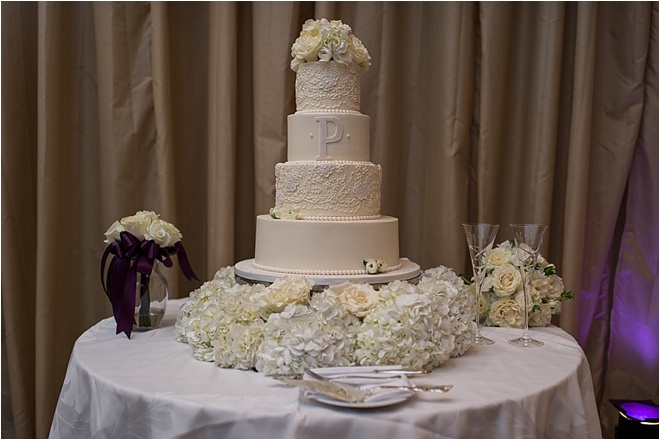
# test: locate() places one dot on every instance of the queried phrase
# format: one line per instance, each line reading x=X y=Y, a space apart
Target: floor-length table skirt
x=152 y=387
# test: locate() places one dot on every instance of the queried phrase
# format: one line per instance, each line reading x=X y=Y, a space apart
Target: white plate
x=400 y=396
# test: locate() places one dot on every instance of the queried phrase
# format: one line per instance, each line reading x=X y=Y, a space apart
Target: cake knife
x=373 y=374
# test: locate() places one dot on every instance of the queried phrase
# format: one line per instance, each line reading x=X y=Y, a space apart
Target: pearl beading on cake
x=328 y=218
x=325 y=111
x=320 y=272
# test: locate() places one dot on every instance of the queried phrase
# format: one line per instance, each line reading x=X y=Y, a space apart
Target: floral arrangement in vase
x=137 y=290
x=323 y=40
x=283 y=328
x=502 y=302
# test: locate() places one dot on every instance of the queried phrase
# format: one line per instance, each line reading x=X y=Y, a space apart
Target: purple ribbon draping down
x=130 y=256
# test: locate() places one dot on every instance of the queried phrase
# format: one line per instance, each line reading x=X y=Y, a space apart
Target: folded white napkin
x=364 y=378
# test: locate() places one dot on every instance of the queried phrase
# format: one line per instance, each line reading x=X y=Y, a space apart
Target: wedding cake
x=326 y=223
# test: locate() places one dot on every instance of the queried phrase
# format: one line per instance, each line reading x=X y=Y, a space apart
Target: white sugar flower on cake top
x=323 y=40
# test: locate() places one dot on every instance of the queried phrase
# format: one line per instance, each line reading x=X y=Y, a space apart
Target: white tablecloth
x=152 y=387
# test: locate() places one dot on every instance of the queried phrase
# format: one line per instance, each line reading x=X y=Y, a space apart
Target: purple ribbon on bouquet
x=130 y=256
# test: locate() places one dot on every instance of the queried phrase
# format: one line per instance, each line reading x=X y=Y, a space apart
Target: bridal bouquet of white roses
x=323 y=40
x=136 y=245
x=502 y=301
x=144 y=225
x=285 y=327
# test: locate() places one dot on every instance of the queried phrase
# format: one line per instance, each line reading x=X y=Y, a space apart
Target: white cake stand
x=409 y=271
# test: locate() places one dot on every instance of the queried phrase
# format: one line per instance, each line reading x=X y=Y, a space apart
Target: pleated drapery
x=542 y=112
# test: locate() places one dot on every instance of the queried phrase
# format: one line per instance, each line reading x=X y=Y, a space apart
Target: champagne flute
x=528 y=239
x=480 y=238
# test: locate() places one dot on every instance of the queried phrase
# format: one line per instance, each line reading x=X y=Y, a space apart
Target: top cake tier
x=328 y=60
x=328 y=87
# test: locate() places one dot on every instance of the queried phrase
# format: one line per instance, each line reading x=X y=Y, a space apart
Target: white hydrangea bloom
x=295 y=339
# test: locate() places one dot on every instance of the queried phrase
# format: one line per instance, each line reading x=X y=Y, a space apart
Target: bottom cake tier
x=309 y=247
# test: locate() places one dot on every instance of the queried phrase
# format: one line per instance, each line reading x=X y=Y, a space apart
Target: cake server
x=372 y=374
x=399 y=372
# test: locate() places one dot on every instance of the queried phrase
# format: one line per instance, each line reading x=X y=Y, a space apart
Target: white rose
x=285 y=213
x=555 y=306
x=112 y=234
x=499 y=256
x=325 y=54
x=163 y=233
x=358 y=299
x=506 y=313
x=138 y=223
x=533 y=299
x=371 y=266
x=541 y=284
x=541 y=261
x=287 y=290
x=359 y=53
x=540 y=318
x=506 y=279
x=307 y=45
x=534 y=296
x=556 y=287
x=471 y=294
x=340 y=51
x=295 y=63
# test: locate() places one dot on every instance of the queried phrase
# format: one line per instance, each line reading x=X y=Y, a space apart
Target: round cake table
x=152 y=387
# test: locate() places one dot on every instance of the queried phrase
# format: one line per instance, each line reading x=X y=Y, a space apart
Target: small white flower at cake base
x=373 y=266
x=323 y=40
x=285 y=213
x=502 y=301
x=284 y=328
x=138 y=243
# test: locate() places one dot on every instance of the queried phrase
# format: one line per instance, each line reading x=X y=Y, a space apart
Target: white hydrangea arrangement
x=283 y=328
x=323 y=40
x=502 y=301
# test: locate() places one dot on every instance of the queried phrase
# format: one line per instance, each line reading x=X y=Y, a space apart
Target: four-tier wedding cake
x=326 y=223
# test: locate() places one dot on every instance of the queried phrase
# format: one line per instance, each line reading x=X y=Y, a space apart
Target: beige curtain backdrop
x=500 y=112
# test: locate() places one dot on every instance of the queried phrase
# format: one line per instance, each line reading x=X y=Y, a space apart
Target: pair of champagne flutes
x=528 y=239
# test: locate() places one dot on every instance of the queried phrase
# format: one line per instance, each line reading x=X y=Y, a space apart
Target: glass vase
x=151 y=294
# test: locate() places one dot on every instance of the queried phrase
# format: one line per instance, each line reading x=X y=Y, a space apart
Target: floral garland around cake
x=502 y=301
x=323 y=40
x=283 y=328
